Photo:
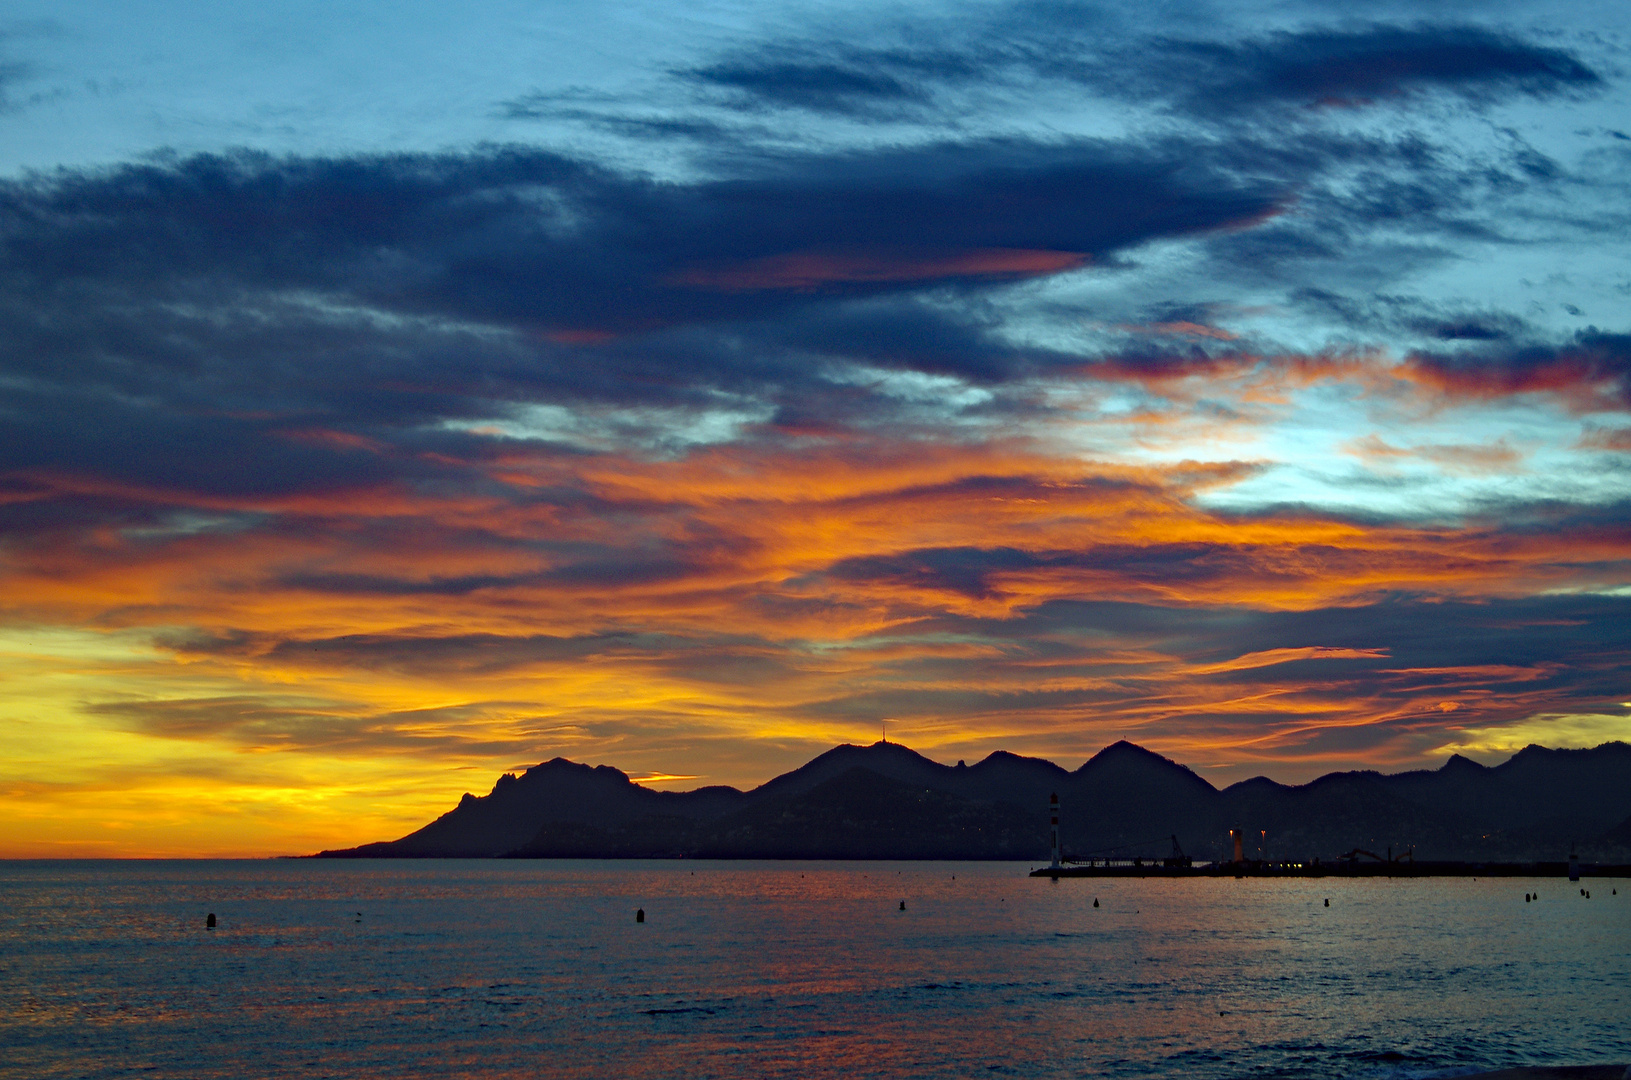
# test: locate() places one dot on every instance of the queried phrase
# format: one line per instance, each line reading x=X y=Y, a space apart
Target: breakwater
x=1342 y=868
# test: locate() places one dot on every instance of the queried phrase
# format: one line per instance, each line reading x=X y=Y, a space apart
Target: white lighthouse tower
x=1053 y=816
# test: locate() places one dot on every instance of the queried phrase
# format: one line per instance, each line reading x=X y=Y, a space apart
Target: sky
x=394 y=395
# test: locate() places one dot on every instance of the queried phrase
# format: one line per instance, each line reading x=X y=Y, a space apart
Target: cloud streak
x=1314 y=67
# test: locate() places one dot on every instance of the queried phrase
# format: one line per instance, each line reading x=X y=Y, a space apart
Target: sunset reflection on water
x=501 y=969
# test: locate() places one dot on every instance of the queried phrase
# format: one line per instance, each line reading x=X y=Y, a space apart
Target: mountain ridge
x=888 y=801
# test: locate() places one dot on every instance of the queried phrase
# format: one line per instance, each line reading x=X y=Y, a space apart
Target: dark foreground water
x=525 y=969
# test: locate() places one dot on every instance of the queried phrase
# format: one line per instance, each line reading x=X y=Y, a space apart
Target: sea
x=488 y=969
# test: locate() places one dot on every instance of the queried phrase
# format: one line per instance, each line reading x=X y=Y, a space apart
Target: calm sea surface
x=512 y=969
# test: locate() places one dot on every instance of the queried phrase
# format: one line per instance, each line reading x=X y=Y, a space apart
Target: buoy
x=639 y=914
x=209 y=921
x=1095 y=901
x=1327 y=901
x=903 y=905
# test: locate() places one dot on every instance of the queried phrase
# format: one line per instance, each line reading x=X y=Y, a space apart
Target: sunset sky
x=393 y=395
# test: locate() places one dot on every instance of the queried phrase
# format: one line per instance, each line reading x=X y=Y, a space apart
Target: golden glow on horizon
x=1544 y=729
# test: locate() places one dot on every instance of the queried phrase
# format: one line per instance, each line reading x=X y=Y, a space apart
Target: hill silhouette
x=887 y=801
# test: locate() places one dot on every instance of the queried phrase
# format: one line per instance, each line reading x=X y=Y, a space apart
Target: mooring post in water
x=1053 y=815
x=639 y=914
x=209 y=921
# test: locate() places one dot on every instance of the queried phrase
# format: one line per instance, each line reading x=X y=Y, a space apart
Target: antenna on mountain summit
x=884 y=725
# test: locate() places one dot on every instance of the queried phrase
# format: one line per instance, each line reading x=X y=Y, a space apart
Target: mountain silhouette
x=558 y=792
x=887 y=801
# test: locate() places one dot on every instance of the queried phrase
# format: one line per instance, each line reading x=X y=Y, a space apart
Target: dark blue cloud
x=1358 y=66
x=1419 y=632
x=532 y=239
x=1593 y=365
x=1569 y=650
x=1407 y=317
x=976 y=572
x=851 y=82
x=184 y=320
x=1346 y=65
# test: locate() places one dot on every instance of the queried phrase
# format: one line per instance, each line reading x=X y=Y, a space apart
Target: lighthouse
x=1053 y=816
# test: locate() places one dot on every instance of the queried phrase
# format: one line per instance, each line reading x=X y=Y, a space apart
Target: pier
x=1342 y=868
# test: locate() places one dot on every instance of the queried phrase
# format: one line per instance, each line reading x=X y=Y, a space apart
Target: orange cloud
x=1463 y=457
x=339 y=440
x=1618 y=439
x=1269 y=657
x=1587 y=376
x=1183 y=328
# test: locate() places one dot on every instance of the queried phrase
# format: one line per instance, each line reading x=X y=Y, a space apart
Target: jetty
x=1257 y=868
